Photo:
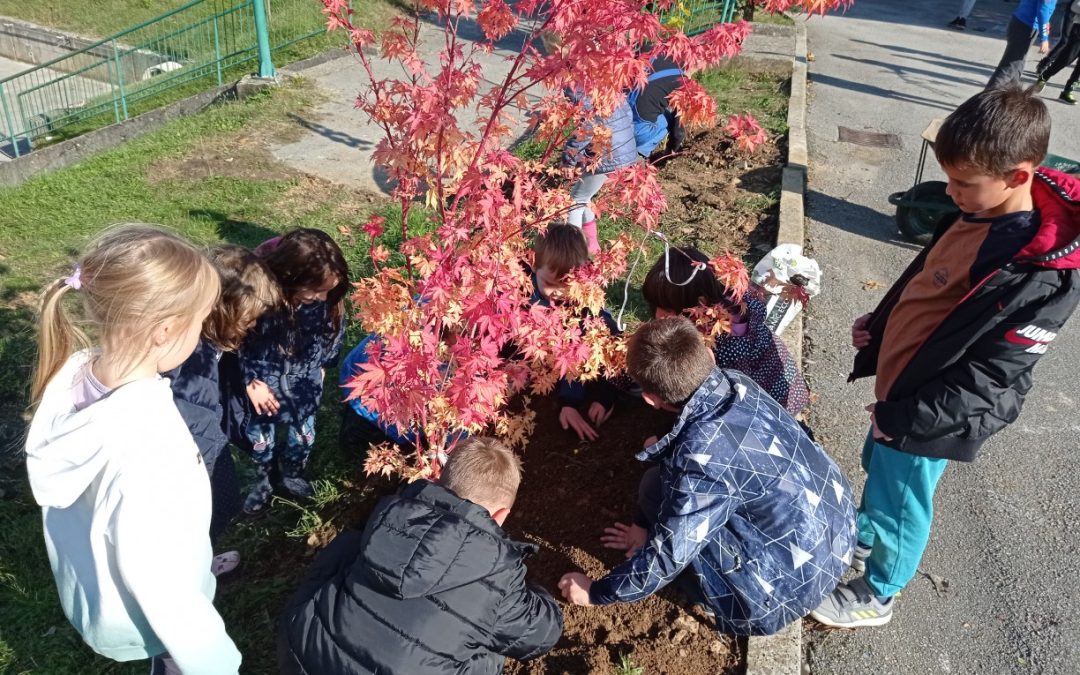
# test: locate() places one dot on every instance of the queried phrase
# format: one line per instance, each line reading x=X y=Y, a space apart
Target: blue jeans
x=895 y=513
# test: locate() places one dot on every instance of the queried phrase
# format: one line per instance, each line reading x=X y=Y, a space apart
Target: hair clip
x=75 y=280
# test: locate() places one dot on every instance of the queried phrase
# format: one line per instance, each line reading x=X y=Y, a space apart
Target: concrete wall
x=36 y=45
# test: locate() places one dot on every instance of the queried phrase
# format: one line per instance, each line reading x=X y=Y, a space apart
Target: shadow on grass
x=241 y=232
x=17 y=353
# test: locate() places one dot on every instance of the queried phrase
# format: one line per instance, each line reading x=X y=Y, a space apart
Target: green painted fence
x=697 y=16
x=149 y=65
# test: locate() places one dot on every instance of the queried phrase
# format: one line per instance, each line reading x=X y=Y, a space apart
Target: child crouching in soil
x=758 y=515
x=556 y=253
x=682 y=279
x=433 y=585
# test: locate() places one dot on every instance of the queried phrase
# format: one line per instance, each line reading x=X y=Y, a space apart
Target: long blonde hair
x=131 y=278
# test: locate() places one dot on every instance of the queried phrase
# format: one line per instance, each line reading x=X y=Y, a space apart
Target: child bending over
x=285 y=356
x=682 y=279
x=433 y=585
x=756 y=514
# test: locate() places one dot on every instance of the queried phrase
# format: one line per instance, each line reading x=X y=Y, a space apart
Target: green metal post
x=120 y=79
x=7 y=118
x=217 y=50
x=262 y=36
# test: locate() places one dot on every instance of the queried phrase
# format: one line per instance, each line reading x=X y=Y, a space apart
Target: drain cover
x=872 y=139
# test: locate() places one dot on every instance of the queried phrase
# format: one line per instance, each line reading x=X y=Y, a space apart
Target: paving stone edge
x=781 y=654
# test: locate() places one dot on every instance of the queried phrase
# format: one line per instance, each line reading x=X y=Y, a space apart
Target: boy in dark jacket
x=740 y=496
x=953 y=343
x=433 y=585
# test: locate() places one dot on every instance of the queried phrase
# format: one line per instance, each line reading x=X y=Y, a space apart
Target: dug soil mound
x=722 y=199
x=571 y=492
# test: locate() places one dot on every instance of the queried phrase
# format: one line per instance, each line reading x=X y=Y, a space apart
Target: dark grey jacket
x=432 y=586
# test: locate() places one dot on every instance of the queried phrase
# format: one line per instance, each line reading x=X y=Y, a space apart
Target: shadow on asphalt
x=331 y=134
x=856 y=218
x=917 y=76
x=839 y=83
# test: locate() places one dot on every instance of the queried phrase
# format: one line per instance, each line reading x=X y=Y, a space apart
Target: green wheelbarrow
x=920 y=209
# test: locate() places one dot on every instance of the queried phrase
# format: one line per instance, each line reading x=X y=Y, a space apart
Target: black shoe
x=959 y=23
x=1068 y=96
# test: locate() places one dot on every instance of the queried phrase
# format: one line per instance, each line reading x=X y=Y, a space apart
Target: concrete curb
x=781 y=654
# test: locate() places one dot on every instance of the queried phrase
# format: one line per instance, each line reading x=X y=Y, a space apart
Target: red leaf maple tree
x=460 y=339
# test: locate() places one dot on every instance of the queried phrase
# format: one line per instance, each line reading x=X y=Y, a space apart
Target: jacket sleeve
x=529 y=624
x=1046 y=10
x=985 y=379
x=259 y=354
x=693 y=508
x=334 y=346
x=155 y=539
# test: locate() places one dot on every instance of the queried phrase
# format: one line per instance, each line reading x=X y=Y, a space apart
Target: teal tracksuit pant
x=895 y=513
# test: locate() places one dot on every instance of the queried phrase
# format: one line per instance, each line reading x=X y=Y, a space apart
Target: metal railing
x=149 y=65
x=698 y=16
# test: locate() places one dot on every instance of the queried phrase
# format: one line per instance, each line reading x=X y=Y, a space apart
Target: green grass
x=738 y=91
x=101 y=18
x=47 y=221
x=297 y=31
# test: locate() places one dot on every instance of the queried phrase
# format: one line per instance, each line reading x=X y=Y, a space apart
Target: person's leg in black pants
x=1011 y=67
x=1064 y=56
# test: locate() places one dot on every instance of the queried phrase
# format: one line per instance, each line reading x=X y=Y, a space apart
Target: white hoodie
x=126 y=506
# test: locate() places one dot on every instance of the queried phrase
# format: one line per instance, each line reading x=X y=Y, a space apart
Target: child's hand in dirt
x=575 y=588
x=262 y=398
x=623 y=537
x=873 y=423
x=570 y=418
x=598 y=414
x=860 y=333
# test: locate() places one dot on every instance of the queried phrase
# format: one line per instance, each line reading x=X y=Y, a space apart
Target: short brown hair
x=562 y=248
x=994 y=131
x=662 y=289
x=248 y=290
x=669 y=358
x=484 y=471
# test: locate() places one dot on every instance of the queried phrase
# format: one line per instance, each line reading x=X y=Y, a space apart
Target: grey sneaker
x=853 y=605
x=298 y=487
x=259 y=497
x=859 y=556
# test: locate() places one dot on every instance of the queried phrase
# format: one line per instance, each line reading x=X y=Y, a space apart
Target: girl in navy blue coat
x=681 y=279
x=208 y=388
x=284 y=358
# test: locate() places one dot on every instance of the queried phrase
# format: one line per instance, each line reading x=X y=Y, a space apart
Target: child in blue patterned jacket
x=740 y=498
x=286 y=354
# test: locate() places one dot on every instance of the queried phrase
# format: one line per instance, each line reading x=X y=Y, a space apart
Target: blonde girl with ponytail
x=125 y=497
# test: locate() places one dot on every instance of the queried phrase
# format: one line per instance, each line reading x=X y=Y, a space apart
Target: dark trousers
x=1011 y=67
x=1064 y=54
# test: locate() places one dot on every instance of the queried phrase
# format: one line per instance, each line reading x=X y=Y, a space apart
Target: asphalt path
x=999 y=585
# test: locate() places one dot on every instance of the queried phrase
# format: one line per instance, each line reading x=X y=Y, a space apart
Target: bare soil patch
x=721 y=199
x=572 y=491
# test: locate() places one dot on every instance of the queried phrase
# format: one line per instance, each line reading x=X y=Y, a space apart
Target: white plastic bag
x=789 y=279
